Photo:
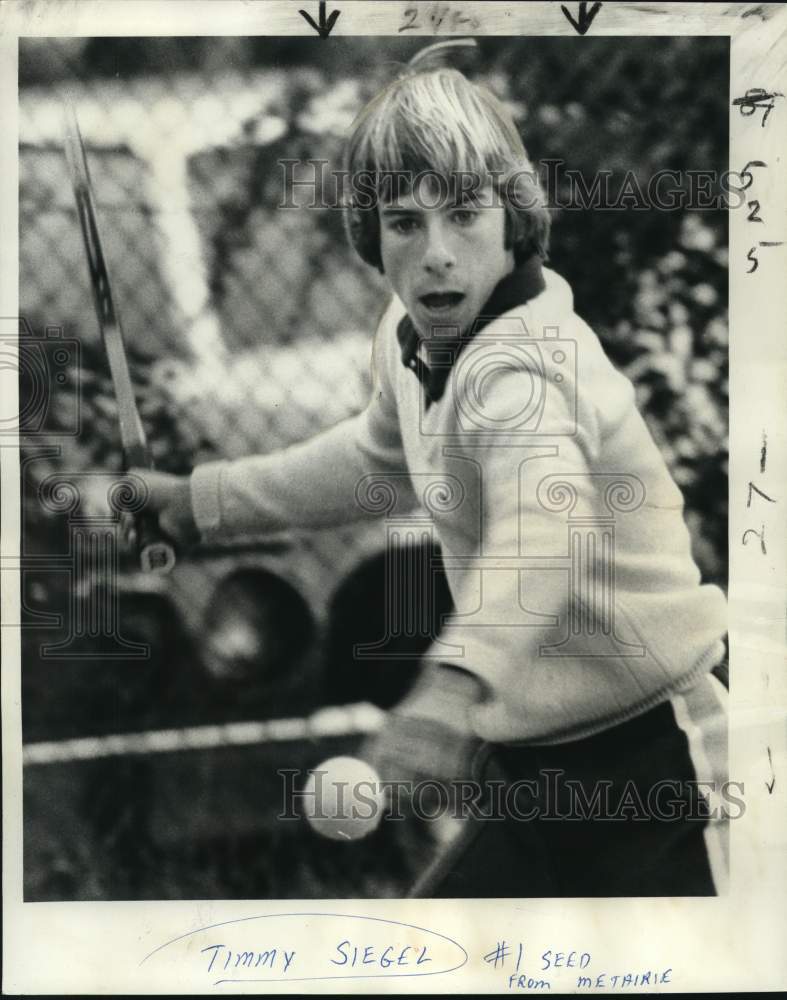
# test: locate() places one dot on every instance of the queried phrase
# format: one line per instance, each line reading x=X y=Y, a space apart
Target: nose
x=438 y=254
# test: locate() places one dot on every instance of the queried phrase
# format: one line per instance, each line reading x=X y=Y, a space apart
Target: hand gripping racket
x=156 y=554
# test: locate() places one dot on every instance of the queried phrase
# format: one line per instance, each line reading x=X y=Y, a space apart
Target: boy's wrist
x=429 y=734
x=445 y=693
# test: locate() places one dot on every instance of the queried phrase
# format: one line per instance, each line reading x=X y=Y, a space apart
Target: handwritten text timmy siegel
x=346 y=954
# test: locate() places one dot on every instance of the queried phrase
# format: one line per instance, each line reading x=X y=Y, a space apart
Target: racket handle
x=156 y=553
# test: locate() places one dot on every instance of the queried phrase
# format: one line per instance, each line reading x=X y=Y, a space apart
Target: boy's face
x=443 y=262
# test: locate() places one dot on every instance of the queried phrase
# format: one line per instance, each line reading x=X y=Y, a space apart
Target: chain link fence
x=248 y=328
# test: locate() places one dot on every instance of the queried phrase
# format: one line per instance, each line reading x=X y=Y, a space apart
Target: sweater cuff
x=444 y=693
x=206 y=497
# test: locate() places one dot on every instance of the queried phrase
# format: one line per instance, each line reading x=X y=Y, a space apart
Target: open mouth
x=441 y=301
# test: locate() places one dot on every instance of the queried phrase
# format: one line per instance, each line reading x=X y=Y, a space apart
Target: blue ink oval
x=263 y=948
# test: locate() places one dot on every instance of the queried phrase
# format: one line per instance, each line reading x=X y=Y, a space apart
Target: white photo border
x=732 y=943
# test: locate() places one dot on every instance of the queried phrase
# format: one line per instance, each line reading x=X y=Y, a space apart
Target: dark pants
x=636 y=839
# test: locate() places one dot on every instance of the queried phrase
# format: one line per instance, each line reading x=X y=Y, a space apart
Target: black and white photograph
x=398 y=471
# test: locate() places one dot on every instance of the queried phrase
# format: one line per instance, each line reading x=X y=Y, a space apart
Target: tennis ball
x=343 y=799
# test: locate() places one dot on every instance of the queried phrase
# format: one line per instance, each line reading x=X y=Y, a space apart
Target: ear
x=515 y=235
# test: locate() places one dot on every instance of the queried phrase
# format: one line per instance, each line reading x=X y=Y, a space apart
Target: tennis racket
x=156 y=553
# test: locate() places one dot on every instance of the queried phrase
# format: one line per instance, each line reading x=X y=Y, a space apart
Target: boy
x=577 y=668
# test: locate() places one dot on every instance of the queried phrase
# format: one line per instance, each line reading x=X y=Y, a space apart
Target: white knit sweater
x=578 y=603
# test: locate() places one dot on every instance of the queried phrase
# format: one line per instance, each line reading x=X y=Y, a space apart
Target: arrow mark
x=585 y=16
x=324 y=26
x=770 y=784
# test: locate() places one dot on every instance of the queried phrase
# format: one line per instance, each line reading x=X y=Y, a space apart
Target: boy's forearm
x=309 y=485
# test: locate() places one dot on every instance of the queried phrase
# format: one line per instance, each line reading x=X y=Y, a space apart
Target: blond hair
x=437 y=121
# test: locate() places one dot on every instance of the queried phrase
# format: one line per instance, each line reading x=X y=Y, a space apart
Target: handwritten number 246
x=438 y=16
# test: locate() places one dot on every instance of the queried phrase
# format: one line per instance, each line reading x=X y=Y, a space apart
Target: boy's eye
x=403 y=225
x=463 y=216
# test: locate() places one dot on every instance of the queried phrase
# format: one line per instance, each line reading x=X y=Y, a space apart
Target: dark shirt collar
x=516 y=288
